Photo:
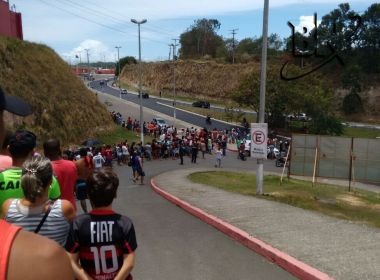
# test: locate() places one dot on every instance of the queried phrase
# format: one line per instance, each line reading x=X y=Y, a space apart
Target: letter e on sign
x=258 y=137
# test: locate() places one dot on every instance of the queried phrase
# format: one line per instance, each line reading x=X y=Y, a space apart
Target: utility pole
x=79 y=56
x=88 y=64
x=77 y=68
x=263 y=77
x=233 y=44
x=170 y=50
x=118 y=76
x=175 y=95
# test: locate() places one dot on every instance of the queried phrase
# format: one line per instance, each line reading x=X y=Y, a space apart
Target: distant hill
x=62 y=106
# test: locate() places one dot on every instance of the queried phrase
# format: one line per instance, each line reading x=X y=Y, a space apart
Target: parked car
x=201 y=104
x=102 y=82
x=299 y=117
x=145 y=95
x=124 y=91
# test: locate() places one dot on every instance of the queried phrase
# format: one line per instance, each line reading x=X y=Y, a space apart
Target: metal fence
x=353 y=159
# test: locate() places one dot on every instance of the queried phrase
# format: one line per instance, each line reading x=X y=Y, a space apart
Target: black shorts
x=81 y=188
x=140 y=172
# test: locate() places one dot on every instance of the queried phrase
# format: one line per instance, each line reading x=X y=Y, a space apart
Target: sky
x=71 y=26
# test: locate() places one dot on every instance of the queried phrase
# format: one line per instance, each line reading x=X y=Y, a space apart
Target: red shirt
x=7 y=235
x=66 y=173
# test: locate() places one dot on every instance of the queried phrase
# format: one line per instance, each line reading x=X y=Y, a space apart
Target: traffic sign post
x=259 y=136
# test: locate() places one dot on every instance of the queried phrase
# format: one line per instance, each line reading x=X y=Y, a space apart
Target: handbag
x=43 y=219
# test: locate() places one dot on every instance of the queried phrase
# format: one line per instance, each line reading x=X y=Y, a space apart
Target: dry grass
x=62 y=105
x=194 y=79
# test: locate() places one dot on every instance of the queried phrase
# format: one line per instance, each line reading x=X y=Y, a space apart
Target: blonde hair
x=37 y=174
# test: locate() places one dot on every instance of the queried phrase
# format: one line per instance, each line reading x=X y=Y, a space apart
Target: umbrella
x=91 y=142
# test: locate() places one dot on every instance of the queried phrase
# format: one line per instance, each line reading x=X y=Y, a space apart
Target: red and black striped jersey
x=102 y=238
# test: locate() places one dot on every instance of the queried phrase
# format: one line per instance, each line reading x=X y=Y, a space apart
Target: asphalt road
x=163 y=106
x=172 y=244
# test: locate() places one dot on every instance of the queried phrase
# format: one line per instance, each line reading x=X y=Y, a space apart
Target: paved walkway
x=307 y=244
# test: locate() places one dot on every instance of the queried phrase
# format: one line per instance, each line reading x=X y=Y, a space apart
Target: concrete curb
x=290 y=264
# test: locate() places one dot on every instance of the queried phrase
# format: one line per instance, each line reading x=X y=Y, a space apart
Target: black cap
x=14 y=105
x=22 y=141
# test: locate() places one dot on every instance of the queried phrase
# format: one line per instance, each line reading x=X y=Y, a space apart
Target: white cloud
x=97 y=51
x=306 y=22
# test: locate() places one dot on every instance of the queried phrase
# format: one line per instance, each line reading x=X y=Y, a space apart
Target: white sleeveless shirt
x=55 y=227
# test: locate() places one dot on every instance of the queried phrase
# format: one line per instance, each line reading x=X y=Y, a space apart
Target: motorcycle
x=242 y=156
x=272 y=152
x=281 y=160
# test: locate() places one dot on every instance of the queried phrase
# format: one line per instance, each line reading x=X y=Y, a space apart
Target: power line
x=98 y=23
x=94 y=11
x=112 y=17
x=82 y=17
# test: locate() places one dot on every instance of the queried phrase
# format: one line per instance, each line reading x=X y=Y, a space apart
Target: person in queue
x=21 y=148
x=45 y=256
x=102 y=243
x=35 y=212
x=84 y=167
x=64 y=170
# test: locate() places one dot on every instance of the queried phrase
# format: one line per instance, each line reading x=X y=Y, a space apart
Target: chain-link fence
x=353 y=159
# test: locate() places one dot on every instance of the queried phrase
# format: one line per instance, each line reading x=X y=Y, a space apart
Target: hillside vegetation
x=62 y=106
x=194 y=79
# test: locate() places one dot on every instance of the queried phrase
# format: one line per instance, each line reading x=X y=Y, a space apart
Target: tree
x=311 y=95
x=252 y=46
x=352 y=80
x=274 y=44
x=201 y=39
x=124 y=61
x=326 y=124
x=370 y=40
x=248 y=45
x=339 y=28
x=371 y=27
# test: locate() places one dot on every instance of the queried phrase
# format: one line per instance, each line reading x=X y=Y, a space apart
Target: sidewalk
x=307 y=244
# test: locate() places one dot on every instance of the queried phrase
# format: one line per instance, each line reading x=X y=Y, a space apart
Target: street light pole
x=88 y=64
x=140 y=77
x=118 y=76
x=175 y=95
x=263 y=77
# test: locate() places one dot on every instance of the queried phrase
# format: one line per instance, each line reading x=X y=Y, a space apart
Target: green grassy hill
x=62 y=106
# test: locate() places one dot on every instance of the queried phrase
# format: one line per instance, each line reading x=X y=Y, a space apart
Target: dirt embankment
x=193 y=78
x=62 y=106
x=213 y=81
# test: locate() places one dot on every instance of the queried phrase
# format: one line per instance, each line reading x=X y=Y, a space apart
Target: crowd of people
x=171 y=142
x=38 y=193
x=40 y=226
